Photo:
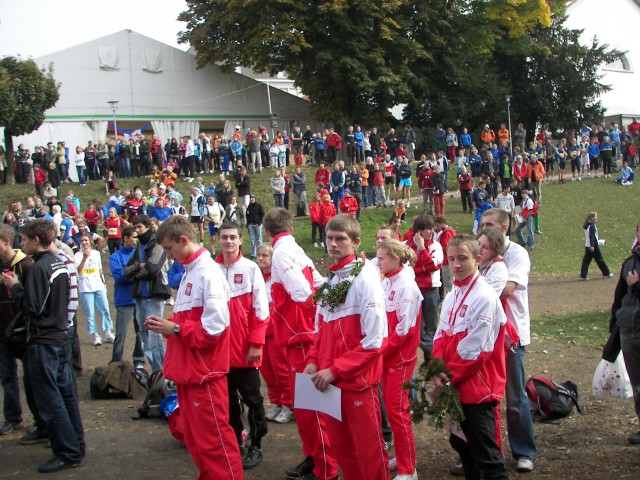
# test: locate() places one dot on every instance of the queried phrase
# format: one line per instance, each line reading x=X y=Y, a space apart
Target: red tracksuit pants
x=357 y=440
x=311 y=424
x=396 y=401
x=204 y=412
x=276 y=374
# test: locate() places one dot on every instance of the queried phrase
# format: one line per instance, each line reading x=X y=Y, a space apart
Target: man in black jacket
x=43 y=299
x=255 y=214
x=147 y=269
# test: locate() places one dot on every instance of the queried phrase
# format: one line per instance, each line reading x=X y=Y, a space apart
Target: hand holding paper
x=309 y=397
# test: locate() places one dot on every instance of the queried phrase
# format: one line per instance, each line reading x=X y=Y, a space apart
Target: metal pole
x=270 y=111
x=509 y=119
x=114 y=107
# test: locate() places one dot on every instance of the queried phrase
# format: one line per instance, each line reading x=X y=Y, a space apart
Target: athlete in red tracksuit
x=470 y=340
x=294 y=280
x=197 y=356
x=249 y=316
x=274 y=367
x=348 y=355
x=403 y=304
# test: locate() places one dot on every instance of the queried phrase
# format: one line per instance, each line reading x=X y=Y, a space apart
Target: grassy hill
x=559 y=250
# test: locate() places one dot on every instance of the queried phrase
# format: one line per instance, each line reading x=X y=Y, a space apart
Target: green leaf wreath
x=445 y=402
x=330 y=297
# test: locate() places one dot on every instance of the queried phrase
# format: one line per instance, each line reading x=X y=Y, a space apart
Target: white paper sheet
x=308 y=397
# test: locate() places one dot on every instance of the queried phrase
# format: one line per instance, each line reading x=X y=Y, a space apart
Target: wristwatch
x=176 y=330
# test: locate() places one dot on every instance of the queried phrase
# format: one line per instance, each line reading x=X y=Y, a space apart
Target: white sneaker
x=96 y=340
x=273 y=412
x=393 y=464
x=322 y=244
x=573 y=179
x=524 y=465
x=315 y=244
x=170 y=301
x=109 y=337
x=285 y=415
x=579 y=179
x=413 y=476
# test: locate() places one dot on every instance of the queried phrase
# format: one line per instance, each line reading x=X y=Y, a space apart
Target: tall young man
x=519 y=423
x=249 y=318
x=43 y=298
x=348 y=353
x=198 y=347
x=294 y=281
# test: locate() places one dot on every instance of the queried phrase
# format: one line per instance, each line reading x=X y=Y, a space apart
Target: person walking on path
x=592 y=248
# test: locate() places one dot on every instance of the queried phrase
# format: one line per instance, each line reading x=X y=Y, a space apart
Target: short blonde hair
x=465 y=240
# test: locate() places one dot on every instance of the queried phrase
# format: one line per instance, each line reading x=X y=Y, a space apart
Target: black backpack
x=549 y=400
x=159 y=388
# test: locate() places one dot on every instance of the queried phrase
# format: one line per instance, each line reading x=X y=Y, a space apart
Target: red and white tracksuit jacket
x=470 y=340
x=350 y=343
x=428 y=264
x=198 y=361
x=274 y=367
x=248 y=308
x=403 y=304
x=294 y=281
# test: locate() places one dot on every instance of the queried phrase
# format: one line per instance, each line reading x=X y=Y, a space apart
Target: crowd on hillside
x=427 y=280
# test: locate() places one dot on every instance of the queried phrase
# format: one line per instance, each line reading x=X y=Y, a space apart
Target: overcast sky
x=33 y=28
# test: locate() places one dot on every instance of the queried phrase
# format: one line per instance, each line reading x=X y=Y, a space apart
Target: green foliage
x=26 y=92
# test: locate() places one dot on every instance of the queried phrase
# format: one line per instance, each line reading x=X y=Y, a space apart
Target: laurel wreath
x=329 y=297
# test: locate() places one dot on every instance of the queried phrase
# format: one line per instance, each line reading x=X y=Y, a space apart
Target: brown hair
x=465 y=240
x=173 y=228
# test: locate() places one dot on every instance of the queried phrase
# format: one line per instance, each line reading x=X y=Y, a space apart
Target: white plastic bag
x=612 y=379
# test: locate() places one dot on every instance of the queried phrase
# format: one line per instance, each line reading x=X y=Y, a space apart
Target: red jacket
x=39 y=176
x=351 y=339
x=201 y=351
x=464 y=182
x=322 y=176
x=314 y=212
x=404 y=310
x=378 y=179
x=470 y=341
x=294 y=281
x=327 y=212
x=349 y=205
x=428 y=264
x=248 y=308
x=425 y=178
x=443 y=239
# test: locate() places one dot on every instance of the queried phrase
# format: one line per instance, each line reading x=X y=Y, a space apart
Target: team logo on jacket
x=237 y=278
x=187 y=290
x=391 y=295
x=463 y=310
x=357 y=403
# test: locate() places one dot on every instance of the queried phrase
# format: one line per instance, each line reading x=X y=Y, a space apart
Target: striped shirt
x=69 y=262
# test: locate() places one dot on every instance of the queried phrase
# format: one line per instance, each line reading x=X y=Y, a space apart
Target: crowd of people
x=460 y=298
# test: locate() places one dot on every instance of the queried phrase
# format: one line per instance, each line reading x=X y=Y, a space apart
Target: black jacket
x=255 y=214
x=44 y=299
x=625 y=311
x=150 y=281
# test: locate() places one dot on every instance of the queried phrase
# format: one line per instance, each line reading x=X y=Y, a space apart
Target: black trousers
x=595 y=255
x=244 y=386
x=480 y=454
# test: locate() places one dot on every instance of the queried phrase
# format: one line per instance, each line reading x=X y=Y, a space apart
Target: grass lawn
x=589 y=330
x=558 y=250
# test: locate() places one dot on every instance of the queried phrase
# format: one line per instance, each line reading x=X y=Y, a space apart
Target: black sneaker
x=8 y=427
x=56 y=464
x=301 y=470
x=34 y=435
x=243 y=449
x=252 y=459
x=634 y=439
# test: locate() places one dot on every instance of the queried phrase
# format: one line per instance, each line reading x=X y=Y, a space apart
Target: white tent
x=156 y=86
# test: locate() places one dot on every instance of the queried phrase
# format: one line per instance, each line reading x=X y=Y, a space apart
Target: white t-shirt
x=214 y=212
x=517 y=261
x=89 y=278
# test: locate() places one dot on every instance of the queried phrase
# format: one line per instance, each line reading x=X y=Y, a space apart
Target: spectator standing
x=277 y=188
x=255 y=215
x=299 y=181
x=592 y=248
x=464 y=185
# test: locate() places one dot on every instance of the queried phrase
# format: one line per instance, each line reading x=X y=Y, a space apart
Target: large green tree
x=351 y=58
x=26 y=92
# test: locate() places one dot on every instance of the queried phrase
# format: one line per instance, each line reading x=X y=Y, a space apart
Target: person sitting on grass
x=626 y=175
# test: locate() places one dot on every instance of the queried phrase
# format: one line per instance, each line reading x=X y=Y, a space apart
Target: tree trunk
x=9 y=154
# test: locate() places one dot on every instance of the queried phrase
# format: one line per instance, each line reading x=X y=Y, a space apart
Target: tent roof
x=152 y=80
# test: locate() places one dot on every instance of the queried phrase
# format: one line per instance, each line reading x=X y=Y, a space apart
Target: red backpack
x=549 y=400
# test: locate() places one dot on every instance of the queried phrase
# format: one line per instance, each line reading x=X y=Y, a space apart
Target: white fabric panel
x=151 y=60
x=230 y=127
x=162 y=128
x=108 y=58
x=99 y=129
x=181 y=128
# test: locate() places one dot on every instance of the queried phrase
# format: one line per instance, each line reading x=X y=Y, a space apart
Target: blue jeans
x=528 y=224
x=56 y=399
x=124 y=315
x=100 y=301
x=64 y=172
x=519 y=423
x=278 y=198
x=152 y=342
x=336 y=197
x=125 y=168
x=12 y=409
x=81 y=171
x=255 y=234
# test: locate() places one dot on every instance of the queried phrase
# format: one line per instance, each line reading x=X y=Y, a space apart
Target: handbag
x=15 y=336
x=611 y=379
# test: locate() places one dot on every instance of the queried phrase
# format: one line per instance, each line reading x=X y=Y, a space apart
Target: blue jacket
x=359 y=136
x=123 y=294
x=465 y=140
x=593 y=150
x=175 y=274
